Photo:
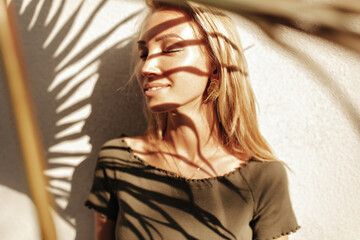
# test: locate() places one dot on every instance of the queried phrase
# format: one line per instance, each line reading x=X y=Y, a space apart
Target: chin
x=162 y=108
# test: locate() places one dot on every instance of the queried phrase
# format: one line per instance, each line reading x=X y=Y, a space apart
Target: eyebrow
x=169 y=35
x=162 y=37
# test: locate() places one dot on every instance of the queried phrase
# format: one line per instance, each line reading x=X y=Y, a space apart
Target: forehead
x=163 y=22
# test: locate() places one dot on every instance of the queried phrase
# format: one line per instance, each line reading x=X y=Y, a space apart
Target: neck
x=191 y=132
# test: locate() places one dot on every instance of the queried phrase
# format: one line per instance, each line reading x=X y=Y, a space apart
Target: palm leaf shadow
x=47 y=101
x=332 y=22
x=155 y=200
x=322 y=78
x=67 y=176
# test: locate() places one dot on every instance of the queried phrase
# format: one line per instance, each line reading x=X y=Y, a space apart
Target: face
x=174 y=66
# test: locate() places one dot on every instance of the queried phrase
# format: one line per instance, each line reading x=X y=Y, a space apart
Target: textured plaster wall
x=78 y=53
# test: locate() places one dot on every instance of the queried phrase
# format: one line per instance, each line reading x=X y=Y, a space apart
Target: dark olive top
x=251 y=202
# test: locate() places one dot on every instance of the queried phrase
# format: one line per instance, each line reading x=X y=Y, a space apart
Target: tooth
x=154 y=88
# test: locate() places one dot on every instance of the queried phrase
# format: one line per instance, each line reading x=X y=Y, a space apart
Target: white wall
x=77 y=54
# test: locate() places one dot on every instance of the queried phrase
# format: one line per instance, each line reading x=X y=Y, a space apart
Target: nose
x=151 y=67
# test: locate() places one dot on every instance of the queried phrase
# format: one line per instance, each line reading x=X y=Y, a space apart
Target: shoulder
x=273 y=214
x=115 y=143
x=114 y=146
x=265 y=169
x=140 y=145
x=265 y=175
x=123 y=148
x=114 y=151
x=137 y=143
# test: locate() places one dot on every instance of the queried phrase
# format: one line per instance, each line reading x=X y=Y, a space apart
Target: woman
x=201 y=170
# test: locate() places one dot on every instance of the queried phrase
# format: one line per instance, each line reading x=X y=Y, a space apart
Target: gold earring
x=213 y=90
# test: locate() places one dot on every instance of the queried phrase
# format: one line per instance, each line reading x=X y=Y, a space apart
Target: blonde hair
x=235 y=105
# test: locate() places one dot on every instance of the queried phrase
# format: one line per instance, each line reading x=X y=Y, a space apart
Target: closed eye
x=143 y=56
x=169 y=51
x=173 y=50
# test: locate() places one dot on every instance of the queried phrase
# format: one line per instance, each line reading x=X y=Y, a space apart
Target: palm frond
x=337 y=22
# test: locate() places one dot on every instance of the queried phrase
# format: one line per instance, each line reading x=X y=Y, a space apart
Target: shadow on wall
x=113 y=112
x=77 y=99
x=78 y=104
x=323 y=79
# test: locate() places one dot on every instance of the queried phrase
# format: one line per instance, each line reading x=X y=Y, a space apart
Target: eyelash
x=172 y=51
x=165 y=51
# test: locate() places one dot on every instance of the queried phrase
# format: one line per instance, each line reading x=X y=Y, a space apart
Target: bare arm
x=104 y=227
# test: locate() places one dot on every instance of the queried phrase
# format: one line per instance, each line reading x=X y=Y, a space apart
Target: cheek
x=198 y=59
x=193 y=62
x=188 y=83
x=191 y=70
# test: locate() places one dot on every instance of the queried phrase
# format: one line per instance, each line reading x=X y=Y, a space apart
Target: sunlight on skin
x=177 y=56
x=82 y=113
x=104 y=228
x=174 y=72
x=173 y=75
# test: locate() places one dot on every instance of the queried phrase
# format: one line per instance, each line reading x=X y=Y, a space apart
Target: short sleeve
x=273 y=214
x=102 y=197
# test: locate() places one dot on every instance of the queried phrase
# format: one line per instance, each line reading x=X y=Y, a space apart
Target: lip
x=148 y=86
x=151 y=89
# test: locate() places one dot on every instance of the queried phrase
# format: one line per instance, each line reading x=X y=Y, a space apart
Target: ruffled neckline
x=181 y=178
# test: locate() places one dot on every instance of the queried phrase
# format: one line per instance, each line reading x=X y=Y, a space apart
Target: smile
x=153 y=88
